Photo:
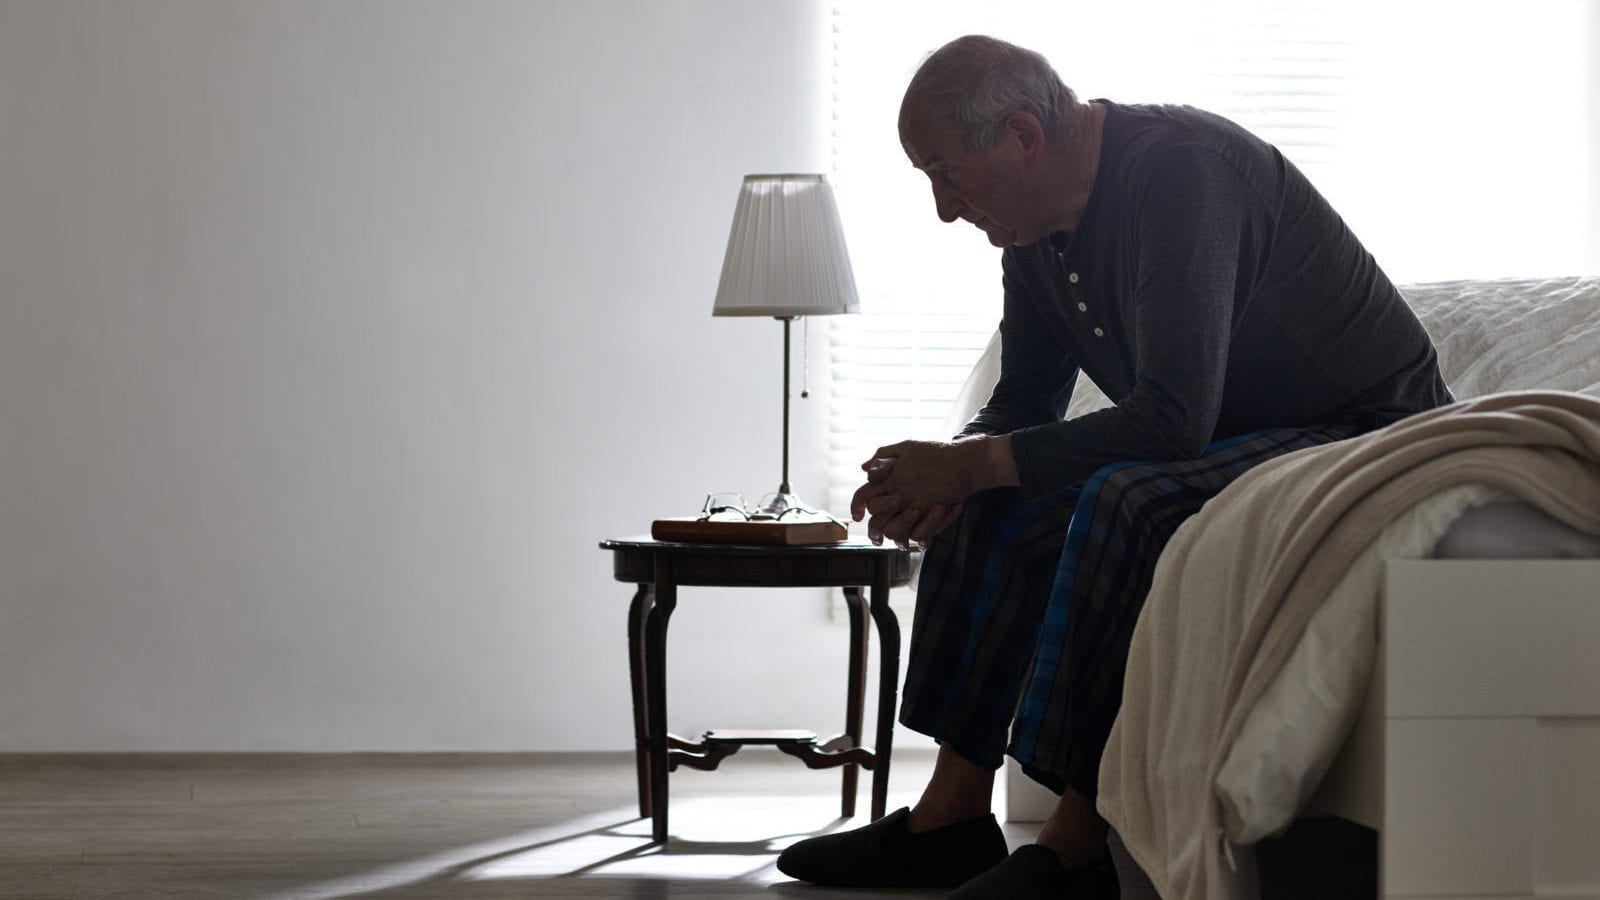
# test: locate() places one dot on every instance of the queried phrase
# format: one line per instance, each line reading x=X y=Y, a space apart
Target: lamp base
x=775 y=505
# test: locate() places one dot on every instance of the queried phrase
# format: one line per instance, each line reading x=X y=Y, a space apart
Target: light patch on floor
x=713 y=838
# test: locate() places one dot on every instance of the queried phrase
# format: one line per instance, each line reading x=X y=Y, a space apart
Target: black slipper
x=1034 y=871
x=887 y=854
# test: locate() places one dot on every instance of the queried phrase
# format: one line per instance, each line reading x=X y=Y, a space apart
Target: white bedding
x=1513 y=529
x=1514 y=334
x=1241 y=582
x=1492 y=337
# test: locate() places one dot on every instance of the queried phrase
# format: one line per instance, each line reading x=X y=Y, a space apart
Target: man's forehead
x=927 y=145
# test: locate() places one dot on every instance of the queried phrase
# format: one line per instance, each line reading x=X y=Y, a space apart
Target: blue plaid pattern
x=1026 y=607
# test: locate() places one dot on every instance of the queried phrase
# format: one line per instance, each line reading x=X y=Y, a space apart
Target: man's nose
x=946 y=203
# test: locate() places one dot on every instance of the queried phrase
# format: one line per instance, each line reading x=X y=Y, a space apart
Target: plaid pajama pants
x=1025 y=608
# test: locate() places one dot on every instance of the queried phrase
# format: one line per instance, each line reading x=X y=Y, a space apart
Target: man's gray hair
x=975 y=82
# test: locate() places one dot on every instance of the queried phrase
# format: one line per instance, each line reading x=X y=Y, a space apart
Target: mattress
x=1513 y=529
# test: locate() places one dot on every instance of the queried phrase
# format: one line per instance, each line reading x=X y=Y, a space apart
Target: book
x=693 y=530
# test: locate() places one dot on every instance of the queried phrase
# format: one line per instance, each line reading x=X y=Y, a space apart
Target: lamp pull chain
x=805 y=356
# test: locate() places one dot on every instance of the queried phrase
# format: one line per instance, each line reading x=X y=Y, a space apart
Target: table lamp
x=786 y=258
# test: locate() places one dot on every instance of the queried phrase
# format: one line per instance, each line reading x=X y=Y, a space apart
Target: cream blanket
x=1241 y=579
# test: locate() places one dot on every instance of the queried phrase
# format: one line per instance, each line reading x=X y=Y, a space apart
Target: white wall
x=333 y=338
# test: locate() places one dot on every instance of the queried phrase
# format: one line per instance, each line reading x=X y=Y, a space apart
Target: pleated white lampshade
x=786 y=252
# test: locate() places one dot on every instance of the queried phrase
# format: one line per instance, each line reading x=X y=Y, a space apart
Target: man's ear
x=1024 y=129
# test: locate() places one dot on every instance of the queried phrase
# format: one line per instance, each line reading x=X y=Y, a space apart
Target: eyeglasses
x=730 y=507
x=724 y=507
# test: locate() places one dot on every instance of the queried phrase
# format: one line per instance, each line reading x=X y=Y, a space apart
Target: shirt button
x=1083 y=307
x=1098 y=332
x=1072 y=277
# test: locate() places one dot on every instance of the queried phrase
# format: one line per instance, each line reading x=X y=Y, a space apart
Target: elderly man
x=1197 y=277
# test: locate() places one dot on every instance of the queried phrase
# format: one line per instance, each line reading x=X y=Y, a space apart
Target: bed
x=1452 y=704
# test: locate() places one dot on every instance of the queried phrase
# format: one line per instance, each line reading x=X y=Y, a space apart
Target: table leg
x=655 y=653
x=856 y=693
x=888 y=686
x=642 y=601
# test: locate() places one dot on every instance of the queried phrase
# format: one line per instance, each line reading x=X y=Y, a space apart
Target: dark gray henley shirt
x=1209 y=291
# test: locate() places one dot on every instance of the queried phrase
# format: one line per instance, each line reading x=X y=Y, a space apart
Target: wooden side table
x=660 y=567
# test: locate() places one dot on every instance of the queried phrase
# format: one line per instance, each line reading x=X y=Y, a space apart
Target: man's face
x=980 y=188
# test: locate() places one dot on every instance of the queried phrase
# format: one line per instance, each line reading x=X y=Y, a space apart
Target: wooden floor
x=413 y=826
x=526 y=825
